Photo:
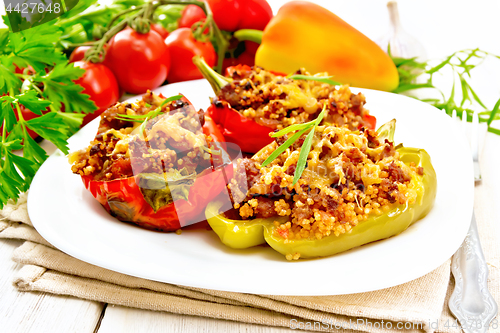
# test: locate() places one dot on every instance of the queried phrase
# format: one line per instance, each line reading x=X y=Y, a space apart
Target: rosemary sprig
x=322 y=79
x=306 y=146
x=461 y=63
x=143 y=118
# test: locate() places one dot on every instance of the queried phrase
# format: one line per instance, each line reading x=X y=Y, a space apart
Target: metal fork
x=471 y=302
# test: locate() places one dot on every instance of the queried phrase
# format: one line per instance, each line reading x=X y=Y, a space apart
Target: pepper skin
x=243 y=234
x=249 y=135
x=238 y=129
x=123 y=198
x=306 y=35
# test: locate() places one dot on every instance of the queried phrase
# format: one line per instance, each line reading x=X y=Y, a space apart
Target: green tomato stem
x=97 y=53
x=117 y=16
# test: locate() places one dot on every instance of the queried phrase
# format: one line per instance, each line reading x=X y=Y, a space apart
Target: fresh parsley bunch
x=35 y=76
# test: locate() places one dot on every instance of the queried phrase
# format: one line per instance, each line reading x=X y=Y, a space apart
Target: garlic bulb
x=402 y=44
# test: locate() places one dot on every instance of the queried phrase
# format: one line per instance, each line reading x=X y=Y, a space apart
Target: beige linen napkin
x=419 y=305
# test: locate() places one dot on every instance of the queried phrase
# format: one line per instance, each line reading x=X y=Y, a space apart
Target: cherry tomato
x=139 y=61
x=183 y=47
x=100 y=84
x=190 y=15
x=256 y=14
x=230 y=15
x=157 y=27
x=227 y=13
x=24 y=70
x=78 y=53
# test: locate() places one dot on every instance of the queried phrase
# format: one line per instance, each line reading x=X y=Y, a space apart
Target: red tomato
x=24 y=70
x=139 y=61
x=190 y=15
x=78 y=53
x=100 y=84
x=230 y=15
x=157 y=27
x=183 y=47
x=227 y=13
x=256 y=14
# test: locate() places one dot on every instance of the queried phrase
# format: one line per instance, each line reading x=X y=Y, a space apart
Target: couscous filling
x=171 y=142
x=276 y=101
x=349 y=176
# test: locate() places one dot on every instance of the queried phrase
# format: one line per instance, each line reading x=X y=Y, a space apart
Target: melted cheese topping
x=170 y=125
x=298 y=97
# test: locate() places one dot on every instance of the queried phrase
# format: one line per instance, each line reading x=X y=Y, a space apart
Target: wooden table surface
x=442 y=27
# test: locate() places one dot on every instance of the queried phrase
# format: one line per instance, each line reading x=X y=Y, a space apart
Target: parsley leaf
x=59 y=88
x=8 y=79
x=35 y=47
x=48 y=84
x=7 y=113
x=52 y=126
x=31 y=101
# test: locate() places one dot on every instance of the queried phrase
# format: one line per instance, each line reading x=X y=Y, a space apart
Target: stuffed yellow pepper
x=356 y=187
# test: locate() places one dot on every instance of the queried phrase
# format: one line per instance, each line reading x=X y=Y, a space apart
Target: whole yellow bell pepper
x=306 y=35
x=243 y=234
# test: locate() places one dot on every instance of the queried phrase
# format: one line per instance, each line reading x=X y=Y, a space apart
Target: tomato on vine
x=256 y=14
x=183 y=47
x=190 y=15
x=230 y=15
x=139 y=61
x=157 y=27
x=100 y=84
x=78 y=53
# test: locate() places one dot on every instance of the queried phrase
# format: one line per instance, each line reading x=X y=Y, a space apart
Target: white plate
x=67 y=216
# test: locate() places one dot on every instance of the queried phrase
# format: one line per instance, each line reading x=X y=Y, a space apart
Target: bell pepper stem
x=216 y=80
x=249 y=34
x=386 y=131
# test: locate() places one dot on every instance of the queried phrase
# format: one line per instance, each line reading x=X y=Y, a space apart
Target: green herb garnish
x=322 y=79
x=306 y=146
x=43 y=88
x=141 y=118
x=461 y=64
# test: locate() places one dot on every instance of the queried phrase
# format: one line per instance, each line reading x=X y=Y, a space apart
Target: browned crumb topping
x=172 y=140
x=277 y=102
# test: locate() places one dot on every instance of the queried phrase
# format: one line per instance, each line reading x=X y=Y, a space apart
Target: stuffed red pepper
x=252 y=102
x=152 y=162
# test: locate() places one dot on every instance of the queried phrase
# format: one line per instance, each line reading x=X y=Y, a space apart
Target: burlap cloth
x=419 y=305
